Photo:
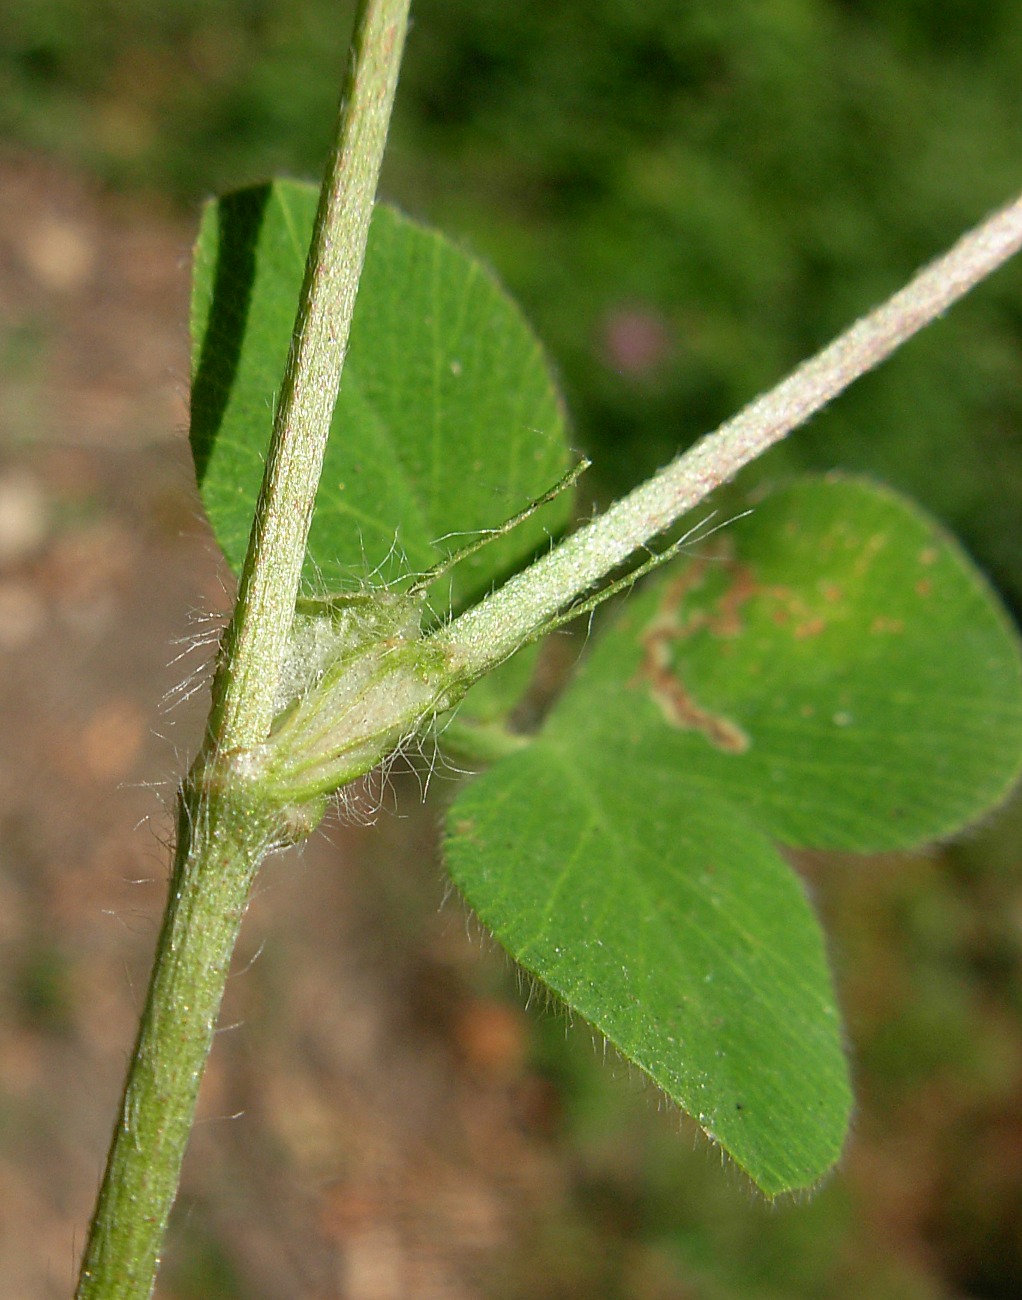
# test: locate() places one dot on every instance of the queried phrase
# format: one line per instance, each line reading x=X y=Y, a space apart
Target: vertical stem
x=245 y=688
x=223 y=830
x=218 y=851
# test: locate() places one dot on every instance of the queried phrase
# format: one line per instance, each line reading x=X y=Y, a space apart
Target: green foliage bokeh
x=685 y=198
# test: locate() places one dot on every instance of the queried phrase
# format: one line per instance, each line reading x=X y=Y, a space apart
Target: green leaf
x=448 y=421
x=673 y=926
x=833 y=672
x=838 y=669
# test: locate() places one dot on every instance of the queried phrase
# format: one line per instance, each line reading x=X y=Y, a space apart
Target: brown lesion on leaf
x=883 y=625
x=809 y=627
x=671 y=624
x=928 y=557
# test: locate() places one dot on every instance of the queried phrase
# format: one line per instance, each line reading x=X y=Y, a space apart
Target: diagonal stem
x=486 y=634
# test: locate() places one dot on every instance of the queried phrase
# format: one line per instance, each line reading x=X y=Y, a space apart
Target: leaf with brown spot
x=626 y=857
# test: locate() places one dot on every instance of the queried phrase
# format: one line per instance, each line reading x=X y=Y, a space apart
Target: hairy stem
x=219 y=846
x=246 y=685
x=224 y=828
x=486 y=634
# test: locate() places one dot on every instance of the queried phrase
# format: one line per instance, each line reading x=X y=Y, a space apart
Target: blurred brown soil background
x=368 y=1107
x=381 y=1117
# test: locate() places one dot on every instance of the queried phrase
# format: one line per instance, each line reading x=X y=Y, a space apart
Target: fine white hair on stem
x=195 y=651
x=487 y=633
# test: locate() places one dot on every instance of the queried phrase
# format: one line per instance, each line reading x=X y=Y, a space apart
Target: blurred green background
x=687 y=198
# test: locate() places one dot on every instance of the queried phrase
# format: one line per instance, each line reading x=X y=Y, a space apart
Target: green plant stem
x=387 y=688
x=219 y=849
x=487 y=633
x=224 y=829
x=245 y=689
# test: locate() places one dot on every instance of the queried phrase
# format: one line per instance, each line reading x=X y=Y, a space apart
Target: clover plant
x=828 y=671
